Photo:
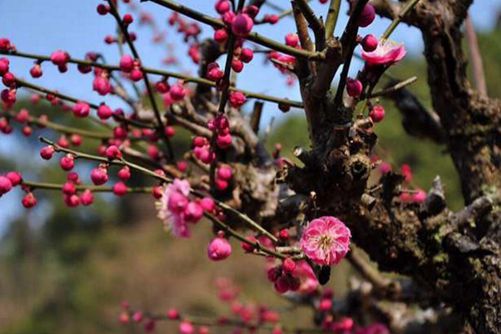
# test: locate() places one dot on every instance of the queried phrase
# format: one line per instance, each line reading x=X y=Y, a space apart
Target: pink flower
x=325 y=240
x=386 y=53
x=219 y=249
x=171 y=207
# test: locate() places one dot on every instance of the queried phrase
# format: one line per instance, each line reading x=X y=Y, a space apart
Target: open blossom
x=325 y=240
x=386 y=53
x=172 y=205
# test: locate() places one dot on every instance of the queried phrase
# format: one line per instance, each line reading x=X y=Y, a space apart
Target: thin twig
x=393 y=88
x=408 y=7
x=331 y=20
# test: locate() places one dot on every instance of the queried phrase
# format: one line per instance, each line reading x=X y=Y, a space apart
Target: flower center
x=325 y=242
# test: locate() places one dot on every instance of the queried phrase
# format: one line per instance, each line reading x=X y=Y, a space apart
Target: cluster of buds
x=7 y=95
x=283 y=276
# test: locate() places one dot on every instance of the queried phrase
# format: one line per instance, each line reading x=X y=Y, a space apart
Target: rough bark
x=455 y=256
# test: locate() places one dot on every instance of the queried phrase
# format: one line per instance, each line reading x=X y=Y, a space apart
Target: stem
x=408 y=6
x=331 y=20
x=22 y=83
x=249 y=221
x=201 y=81
x=62 y=128
x=54 y=186
x=393 y=88
x=254 y=37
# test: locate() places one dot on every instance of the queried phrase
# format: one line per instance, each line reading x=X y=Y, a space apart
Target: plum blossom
x=171 y=207
x=325 y=240
x=387 y=53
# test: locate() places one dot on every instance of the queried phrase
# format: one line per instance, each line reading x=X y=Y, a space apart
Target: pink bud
x=214 y=73
x=36 y=71
x=173 y=314
x=224 y=172
x=67 y=162
x=177 y=92
x=369 y=43
x=272 y=19
x=4 y=66
x=128 y=19
x=252 y=11
x=99 y=176
x=15 y=178
x=325 y=305
x=69 y=188
x=101 y=85
x=126 y=63
x=289 y=265
x=87 y=198
x=72 y=200
x=237 y=99
x=124 y=173
x=406 y=171
x=419 y=196
x=136 y=74
x=59 y=58
x=221 y=35
x=237 y=65
x=29 y=200
x=218 y=249
x=104 y=112
x=170 y=131
x=185 y=327
x=282 y=284
x=246 y=55
x=367 y=16
x=222 y=6
x=113 y=152
x=120 y=189
x=377 y=113
x=221 y=184
x=223 y=141
x=207 y=204
x=9 y=80
x=5 y=185
x=81 y=109
x=242 y=25
x=292 y=40
x=199 y=141
x=354 y=87
x=47 y=152
x=137 y=316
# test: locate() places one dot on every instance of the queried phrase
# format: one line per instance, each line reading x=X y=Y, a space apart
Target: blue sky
x=73 y=25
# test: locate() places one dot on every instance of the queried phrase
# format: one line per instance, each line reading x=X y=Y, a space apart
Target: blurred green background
x=70 y=274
